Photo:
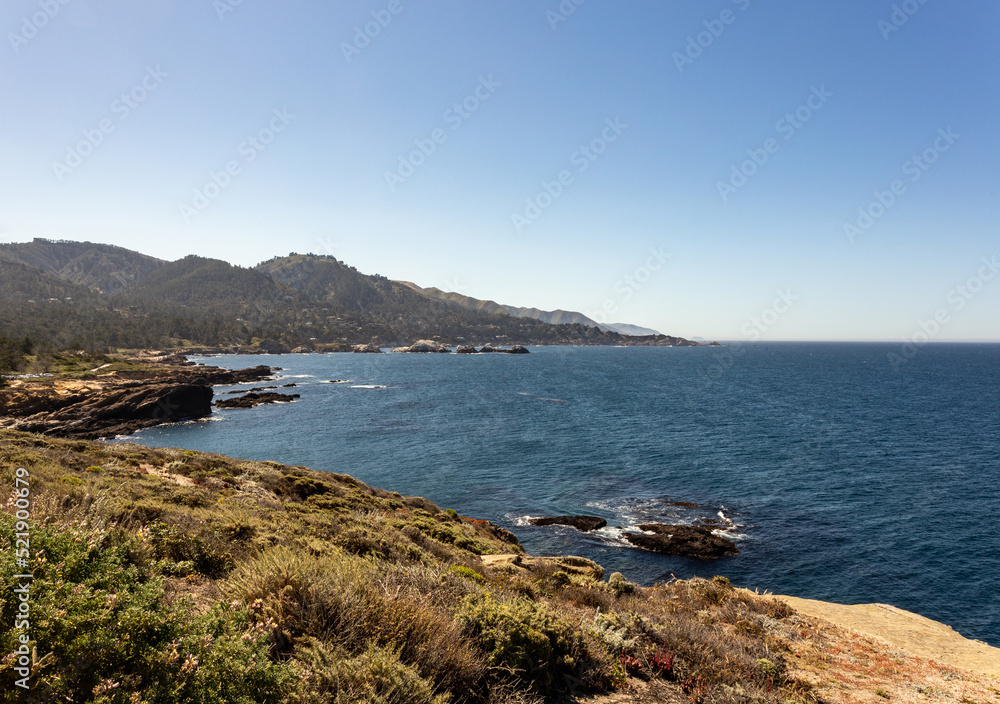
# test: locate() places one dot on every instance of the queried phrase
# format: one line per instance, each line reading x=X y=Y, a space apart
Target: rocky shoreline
x=116 y=403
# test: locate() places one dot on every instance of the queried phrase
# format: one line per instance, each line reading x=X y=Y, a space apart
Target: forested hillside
x=96 y=297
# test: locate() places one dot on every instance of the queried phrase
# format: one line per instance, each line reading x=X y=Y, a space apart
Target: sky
x=733 y=169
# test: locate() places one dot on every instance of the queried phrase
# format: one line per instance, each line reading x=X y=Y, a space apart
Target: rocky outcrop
x=370 y=348
x=272 y=347
x=517 y=349
x=488 y=349
x=571 y=564
x=423 y=346
x=466 y=349
x=117 y=403
x=302 y=349
x=581 y=523
x=687 y=541
x=252 y=400
x=120 y=411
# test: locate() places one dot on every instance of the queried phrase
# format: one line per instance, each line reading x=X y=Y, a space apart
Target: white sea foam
x=369 y=386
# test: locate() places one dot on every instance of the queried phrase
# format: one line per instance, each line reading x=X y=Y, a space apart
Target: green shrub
x=522 y=637
x=619 y=585
x=768 y=668
x=468 y=573
x=560 y=578
x=376 y=675
x=102 y=629
x=205 y=554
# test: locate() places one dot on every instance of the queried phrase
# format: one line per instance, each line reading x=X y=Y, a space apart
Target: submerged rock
x=581 y=523
x=688 y=541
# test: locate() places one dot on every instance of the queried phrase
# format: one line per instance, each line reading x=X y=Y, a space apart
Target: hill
x=553 y=317
x=105 y=268
x=110 y=297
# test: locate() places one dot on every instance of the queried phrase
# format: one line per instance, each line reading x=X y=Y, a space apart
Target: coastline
x=824 y=641
x=232 y=513
x=916 y=634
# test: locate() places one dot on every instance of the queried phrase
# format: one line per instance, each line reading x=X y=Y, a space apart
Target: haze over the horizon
x=690 y=167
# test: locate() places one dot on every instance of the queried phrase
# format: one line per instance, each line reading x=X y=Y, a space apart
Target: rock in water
x=688 y=541
x=466 y=349
x=581 y=523
x=251 y=400
x=370 y=348
x=517 y=349
x=423 y=346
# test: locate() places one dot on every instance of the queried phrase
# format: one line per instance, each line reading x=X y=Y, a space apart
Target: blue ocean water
x=845 y=478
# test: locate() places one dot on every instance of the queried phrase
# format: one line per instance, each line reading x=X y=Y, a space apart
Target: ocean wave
x=369 y=386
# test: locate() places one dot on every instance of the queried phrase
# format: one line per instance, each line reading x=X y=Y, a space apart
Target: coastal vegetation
x=169 y=576
x=177 y=576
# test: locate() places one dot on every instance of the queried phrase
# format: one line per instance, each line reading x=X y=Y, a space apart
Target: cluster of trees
x=14 y=355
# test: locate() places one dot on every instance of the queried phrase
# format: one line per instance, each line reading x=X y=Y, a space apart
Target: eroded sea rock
x=581 y=523
x=252 y=400
x=687 y=541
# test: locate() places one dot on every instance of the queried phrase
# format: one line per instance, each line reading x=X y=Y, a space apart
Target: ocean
x=842 y=475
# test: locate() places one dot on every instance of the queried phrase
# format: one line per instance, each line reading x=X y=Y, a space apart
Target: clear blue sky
x=200 y=79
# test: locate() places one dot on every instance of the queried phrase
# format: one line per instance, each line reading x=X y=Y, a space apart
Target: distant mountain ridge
x=554 y=317
x=85 y=295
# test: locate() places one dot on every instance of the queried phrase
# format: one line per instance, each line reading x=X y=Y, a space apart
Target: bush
x=350 y=602
x=102 y=629
x=619 y=585
x=468 y=573
x=375 y=675
x=522 y=637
